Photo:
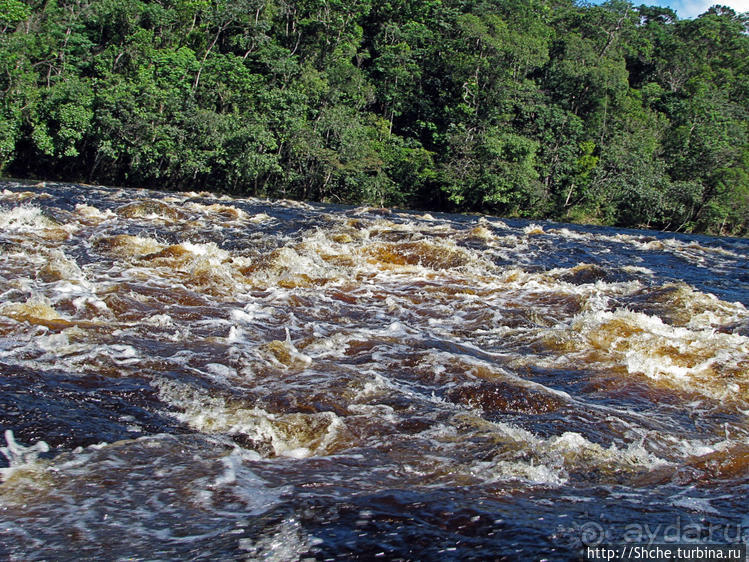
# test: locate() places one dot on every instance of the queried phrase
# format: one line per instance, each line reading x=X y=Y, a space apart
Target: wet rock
x=583 y=274
x=504 y=397
x=147 y=208
x=419 y=253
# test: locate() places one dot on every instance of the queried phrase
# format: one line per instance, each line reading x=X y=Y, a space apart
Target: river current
x=188 y=376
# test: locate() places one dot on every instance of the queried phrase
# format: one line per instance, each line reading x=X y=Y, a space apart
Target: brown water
x=193 y=377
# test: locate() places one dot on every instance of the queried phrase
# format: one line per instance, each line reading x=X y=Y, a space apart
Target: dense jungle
x=615 y=114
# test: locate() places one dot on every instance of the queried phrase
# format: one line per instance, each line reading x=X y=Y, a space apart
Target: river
x=188 y=376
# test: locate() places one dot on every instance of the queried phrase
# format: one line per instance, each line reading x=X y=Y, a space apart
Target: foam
x=25 y=218
x=502 y=471
x=93 y=214
x=696 y=360
x=288 y=542
x=533 y=230
x=36 y=310
x=553 y=459
x=217 y=211
x=20 y=458
x=291 y=435
x=127 y=245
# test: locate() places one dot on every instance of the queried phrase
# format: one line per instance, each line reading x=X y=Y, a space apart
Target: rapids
x=187 y=376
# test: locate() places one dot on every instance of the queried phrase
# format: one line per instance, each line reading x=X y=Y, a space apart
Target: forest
x=549 y=109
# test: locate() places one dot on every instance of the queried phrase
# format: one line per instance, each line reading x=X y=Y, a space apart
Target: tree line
x=612 y=114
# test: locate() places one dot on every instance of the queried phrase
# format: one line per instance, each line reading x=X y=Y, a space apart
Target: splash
x=293 y=435
x=306 y=359
x=703 y=361
x=21 y=459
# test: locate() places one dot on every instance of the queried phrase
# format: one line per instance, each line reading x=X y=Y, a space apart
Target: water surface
x=195 y=377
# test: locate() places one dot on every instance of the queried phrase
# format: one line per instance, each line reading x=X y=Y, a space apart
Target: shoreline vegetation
x=616 y=114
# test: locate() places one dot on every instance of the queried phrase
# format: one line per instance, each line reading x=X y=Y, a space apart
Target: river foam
x=226 y=374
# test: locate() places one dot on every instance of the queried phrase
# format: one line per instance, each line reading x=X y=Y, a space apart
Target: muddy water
x=186 y=376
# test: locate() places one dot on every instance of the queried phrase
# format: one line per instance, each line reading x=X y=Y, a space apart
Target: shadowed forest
x=611 y=114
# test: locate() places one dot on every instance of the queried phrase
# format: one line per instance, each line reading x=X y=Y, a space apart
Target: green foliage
x=614 y=114
x=492 y=169
x=13 y=12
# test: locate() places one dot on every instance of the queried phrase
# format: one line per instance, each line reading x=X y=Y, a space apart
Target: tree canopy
x=615 y=114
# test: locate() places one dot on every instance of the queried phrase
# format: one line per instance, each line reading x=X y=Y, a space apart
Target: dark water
x=186 y=377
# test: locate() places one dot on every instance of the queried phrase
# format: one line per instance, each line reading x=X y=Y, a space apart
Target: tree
x=538 y=108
